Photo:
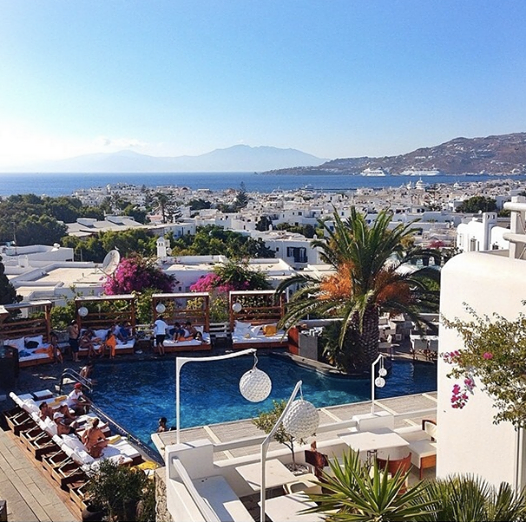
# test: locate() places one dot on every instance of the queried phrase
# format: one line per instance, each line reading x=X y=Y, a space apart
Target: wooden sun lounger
x=67 y=473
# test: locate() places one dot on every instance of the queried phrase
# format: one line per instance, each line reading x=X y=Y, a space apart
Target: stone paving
x=30 y=495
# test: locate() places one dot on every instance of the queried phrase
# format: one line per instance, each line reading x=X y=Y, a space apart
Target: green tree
x=7 y=290
x=199 y=204
x=241 y=200
x=162 y=201
x=267 y=420
x=141 y=216
x=63 y=208
x=43 y=230
x=263 y=224
x=368 y=280
x=477 y=204
x=305 y=230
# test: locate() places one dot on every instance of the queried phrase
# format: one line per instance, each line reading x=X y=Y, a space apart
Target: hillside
x=239 y=158
x=504 y=154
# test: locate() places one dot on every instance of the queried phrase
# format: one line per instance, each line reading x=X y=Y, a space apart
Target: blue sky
x=338 y=78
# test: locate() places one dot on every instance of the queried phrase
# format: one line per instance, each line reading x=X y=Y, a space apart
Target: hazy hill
x=239 y=158
x=504 y=154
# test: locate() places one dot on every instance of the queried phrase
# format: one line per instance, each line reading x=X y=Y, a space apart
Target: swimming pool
x=137 y=394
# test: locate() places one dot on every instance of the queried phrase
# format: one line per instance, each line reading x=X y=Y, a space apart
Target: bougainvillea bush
x=136 y=274
x=224 y=279
x=494 y=355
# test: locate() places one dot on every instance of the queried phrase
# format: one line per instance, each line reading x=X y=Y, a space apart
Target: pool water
x=135 y=394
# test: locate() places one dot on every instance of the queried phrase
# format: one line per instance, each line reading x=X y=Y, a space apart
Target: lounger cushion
x=72 y=441
x=101 y=333
x=15 y=343
x=242 y=328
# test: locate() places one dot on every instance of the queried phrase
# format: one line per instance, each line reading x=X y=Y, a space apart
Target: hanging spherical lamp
x=302 y=419
x=379 y=382
x=237 y=307
x=382 y=372
x=83 y=311
x=160 y=308
x=255 y=385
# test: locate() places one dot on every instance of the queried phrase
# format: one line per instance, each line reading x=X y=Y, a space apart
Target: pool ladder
x=69 y=376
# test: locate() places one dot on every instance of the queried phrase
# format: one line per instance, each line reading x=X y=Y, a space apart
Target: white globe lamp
x=302 y=419
x=160 y=308
x=382 y=372
x=379 y=382
x=255 y=385
x=237 y=307
x=83 y=311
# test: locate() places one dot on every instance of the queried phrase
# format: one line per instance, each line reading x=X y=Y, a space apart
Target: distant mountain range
x=239 y=158
x=503 y=154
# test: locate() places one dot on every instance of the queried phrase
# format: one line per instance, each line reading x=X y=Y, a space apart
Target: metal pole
x=264 y=449
x=379 y=358
x=179 y=362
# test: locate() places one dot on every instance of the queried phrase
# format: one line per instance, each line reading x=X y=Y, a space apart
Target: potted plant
x=118 y=490
x=266 y=422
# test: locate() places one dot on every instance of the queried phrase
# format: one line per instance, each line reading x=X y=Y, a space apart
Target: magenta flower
x=488 y=356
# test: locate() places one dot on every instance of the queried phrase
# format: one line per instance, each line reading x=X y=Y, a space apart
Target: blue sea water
x=65 y=184
x=136 y=395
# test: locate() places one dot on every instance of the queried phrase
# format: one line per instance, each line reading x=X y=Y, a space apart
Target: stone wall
x=161 y=508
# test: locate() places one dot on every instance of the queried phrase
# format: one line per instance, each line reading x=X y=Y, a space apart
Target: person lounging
x=94 y=439
x=191 y=332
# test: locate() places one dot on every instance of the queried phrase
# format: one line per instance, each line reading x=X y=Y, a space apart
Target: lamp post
x=254 y=385
x=300 y=419
x=379 y=382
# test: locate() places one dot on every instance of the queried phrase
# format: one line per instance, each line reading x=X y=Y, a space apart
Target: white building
x=488 y=282
x=482 y=233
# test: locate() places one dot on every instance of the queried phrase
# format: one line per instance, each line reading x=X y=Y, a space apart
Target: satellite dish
x=111 y=262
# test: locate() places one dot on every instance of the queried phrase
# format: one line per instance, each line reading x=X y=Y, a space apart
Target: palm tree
x=375 y=271
x=354 y=492
x=465 y=498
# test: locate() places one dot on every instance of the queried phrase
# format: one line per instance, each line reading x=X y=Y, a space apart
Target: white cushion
x=72 y=441
x=37 y=339
x=101 y=333
x=200 y=328
x=431 y=429
x=17 y=343
x=50 y=426
x=256 y=330
x=242 y=328
x=29 y=405
x=84 y=456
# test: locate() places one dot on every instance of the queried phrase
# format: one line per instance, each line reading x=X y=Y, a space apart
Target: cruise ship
x=420 y=172
x=374 y=172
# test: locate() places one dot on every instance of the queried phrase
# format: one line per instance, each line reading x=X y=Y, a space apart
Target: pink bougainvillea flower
x=488 y=355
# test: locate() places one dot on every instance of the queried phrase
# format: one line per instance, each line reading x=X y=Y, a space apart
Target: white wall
x=469 y=442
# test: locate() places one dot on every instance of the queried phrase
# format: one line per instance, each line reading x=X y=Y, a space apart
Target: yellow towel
x=147 y=464
x=57 y=400
x=270 y=329
x=114 y=438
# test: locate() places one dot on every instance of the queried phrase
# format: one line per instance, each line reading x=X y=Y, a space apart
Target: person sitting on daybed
x=178 y=332
x=77 y=401
x=94 y=439
x=88 y=341
x=191 y=332
x=125 y=331
x=111 y=343
x=62 y=427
